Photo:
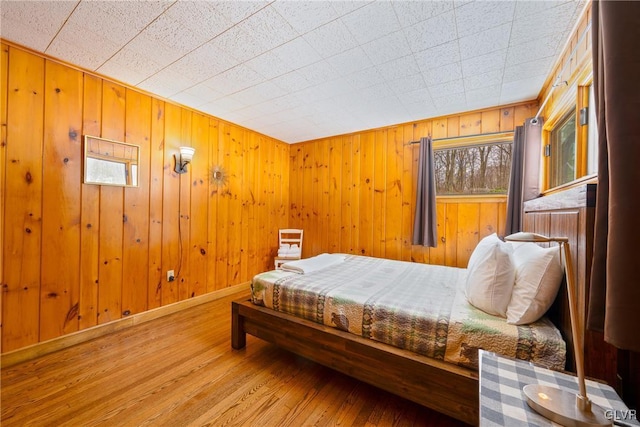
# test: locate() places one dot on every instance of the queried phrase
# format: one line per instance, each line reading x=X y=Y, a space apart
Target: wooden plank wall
x=356 y=193
x=74 y=255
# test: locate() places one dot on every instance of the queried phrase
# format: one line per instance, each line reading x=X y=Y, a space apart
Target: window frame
x=472 y=141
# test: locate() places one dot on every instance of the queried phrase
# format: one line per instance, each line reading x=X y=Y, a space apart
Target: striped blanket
x=417 y=307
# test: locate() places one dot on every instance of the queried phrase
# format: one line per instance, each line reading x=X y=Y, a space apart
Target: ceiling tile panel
x=387 y=48
x=406 y=84
x=166 y=83
x=484 y=63
x=268 y=28
x=80 y=44
x=268 y=65
x=438 y=56
x=485 y=42
x=448 y=88
x=525 y=70
x=236 y=79
x=372 y=21
x=519 y=90
x=350 y=61
x=477 y=17
x=534 y=49
x=305 y=16
x=365 y=78
x=203 y=18
x=33 y=23
x=478 y=81
x=432 y=32
x=412 y=12
x=443 y=74
x=331 y=39
x=297 y=53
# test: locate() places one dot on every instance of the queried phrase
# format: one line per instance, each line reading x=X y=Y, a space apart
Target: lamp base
x=560 y=406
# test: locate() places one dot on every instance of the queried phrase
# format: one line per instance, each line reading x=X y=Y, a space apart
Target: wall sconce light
x=183 y=159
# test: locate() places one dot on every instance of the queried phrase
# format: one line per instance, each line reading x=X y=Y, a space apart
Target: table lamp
x=562 y=406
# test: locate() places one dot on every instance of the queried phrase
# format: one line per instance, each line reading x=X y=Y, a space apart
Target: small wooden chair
x=289 y=236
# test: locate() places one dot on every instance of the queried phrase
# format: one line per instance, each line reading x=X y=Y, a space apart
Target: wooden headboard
x=568 y=213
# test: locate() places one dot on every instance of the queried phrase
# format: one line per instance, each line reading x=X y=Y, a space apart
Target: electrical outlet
x=170 y=276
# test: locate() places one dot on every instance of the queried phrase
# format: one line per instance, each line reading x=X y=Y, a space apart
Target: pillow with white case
x=490 y=276
x=539 y=274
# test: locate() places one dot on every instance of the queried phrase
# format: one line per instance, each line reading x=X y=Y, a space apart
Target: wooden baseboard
x=36 y=350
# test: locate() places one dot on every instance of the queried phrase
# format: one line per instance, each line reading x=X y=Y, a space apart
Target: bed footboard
x=446 y=388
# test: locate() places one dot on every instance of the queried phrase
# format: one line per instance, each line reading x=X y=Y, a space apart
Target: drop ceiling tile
x=319 y=72
x=421 y=95
x=443 y=74
x=135 y=15
x=144 y=46
x=167 y=31
x=431 y=32
x=268 y=28
x=477 y=17
x=350 y=61
x=485 y=42
x=407 y=84
x=166 y=83
x=343 y=7
x=185 y=98
x=33 y=23
x=412 y=12
x=268 y=65
x=203 y=63
x=478 y=81
x=80 y=45
x=201 y=17
x=438 y=56
x=453 y=103
x=235 y=79
x=239 y=44
x=521 y=90
x=525 y=9
x=259 y=93
x=487 y=96
x=534 y=49
x=379 y=91
x=547 y=22
x=331 y=39
x=397 y=68
x=204 y=92
x=292 y=81
x=135 y=67
x=365 y=78
x=236 y=11
x=484 y=63
x=226 y=105
x=297 y=53
x=96 y=15
x=448 y=88
x=305 y=16
x=369 y=22
x=387 y=48
x=525 y=70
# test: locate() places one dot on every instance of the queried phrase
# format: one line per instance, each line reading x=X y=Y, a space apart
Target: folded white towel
x=305 y=266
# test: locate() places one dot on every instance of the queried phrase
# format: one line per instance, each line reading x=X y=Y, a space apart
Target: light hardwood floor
x=180 y=370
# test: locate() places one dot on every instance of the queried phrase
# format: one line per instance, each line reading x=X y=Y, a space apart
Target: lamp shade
x=186 y=154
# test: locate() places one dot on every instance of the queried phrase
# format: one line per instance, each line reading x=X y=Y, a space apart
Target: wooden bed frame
x=446 y=388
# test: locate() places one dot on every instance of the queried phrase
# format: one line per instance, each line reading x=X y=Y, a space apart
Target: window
x=476 y=169
x=563 y=150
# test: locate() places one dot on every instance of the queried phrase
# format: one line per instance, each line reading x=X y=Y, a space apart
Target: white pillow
x=538 y=276
x=490 y=276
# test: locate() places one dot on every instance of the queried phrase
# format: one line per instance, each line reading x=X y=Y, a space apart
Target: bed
x=360 y=317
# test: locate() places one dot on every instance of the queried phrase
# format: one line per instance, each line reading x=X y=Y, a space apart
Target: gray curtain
x=524 y=182
x=615 y=288
x=424 y=225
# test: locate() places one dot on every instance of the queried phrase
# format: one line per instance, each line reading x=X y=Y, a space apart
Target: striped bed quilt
x=417 y=307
